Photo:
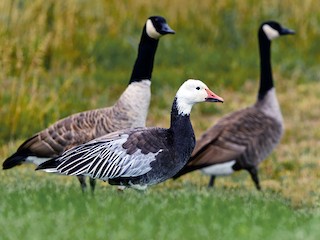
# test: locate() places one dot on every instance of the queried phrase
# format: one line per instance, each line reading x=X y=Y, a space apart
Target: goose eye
x=198 y=88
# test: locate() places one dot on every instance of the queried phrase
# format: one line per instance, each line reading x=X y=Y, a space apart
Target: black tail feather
x=14 y=160
x=189 y=168
x=182 y=172
x=52 y=163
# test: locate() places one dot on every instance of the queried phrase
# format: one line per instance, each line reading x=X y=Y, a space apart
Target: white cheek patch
x=151 y=30
x=270 y=32
x=219 y=169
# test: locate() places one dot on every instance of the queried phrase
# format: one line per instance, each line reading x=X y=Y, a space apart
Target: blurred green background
x=62 y=57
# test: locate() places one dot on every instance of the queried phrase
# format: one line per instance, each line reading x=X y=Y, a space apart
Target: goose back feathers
x=143 y=156
x=84 y=126
x=244 y=138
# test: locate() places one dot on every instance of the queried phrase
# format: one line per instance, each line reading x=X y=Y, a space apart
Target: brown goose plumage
x=244 y=138
x=129 y=111
x=82 y=127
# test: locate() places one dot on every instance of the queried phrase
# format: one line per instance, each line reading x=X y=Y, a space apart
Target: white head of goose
x=85 y=126
x=242 y=139
x=142 y=156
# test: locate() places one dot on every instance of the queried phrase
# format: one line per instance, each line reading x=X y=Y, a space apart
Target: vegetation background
x=62 y=57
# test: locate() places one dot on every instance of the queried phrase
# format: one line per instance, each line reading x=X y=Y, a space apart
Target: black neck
x=183 y=134
x=266 y=80
x=144 y=63
x=180 y=122
x=175 y=116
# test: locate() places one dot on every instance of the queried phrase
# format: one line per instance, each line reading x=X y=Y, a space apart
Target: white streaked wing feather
x=104 y=159
x=112 y=168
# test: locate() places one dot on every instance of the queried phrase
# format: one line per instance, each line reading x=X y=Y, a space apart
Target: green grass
x=48 y=207
x=62 y=57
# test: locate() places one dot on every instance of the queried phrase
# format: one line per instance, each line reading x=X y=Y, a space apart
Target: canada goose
x=128 y=112
x=244 y=138
x=141 y=156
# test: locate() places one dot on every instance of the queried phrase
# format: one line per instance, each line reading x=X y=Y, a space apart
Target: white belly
x=219 y=169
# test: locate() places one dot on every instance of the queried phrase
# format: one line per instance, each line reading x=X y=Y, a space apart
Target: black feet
x=92 y=184
x=82 y=180
x=83 y=184
x=211 y=182
x=255 y=178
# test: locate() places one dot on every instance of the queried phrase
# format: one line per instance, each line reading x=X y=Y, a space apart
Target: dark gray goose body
x=128 y=112
x=244 y=138
x=142 y=156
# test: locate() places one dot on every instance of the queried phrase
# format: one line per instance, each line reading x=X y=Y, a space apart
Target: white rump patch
x=121 y=188
x=36 y=160
x=151 y=30
x=219 y=169
x=270 y=32
x=50 y=170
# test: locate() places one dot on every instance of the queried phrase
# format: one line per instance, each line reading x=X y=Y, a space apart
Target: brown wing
x=247 y=136
x=220 y=143
x=68 y=132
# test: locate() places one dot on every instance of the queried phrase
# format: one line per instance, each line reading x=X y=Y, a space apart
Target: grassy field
x=32 y=210
x=62 y=57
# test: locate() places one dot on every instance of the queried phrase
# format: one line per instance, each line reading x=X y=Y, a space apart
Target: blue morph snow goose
x=128 y=112
x=242 y=139
x=139 y=157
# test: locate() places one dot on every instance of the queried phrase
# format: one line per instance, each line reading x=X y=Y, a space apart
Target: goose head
x=191 y=92
x=272 y=30
x=157 y=26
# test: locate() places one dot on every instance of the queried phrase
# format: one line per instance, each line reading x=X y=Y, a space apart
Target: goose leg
x=83 y=184
x=92 y=184
x=254 y=175
x=211 y=182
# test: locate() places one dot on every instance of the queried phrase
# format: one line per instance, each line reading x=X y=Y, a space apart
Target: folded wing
x=119 y=154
